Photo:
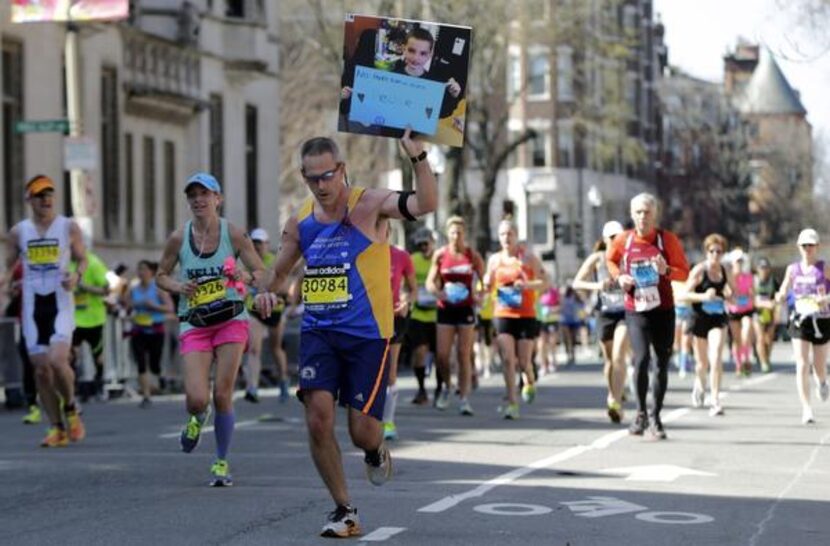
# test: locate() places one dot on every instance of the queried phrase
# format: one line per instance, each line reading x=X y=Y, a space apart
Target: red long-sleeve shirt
x=672 y=252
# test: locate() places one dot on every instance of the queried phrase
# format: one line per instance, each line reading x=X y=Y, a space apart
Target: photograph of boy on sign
x=379 y=93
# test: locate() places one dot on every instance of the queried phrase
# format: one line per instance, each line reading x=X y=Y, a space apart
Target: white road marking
x=600 y=507
x=762 y=525
x=382 y=533
x=240 y=424
x=675 y=518
x=453 y=500
x=602 y=442
x=656 y=472
x=512 y=509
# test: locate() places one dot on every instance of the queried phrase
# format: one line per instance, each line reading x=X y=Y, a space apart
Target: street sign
x=42 y=126
x=80 y=153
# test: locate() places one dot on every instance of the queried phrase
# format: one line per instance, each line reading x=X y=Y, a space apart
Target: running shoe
x=379 y=471
x=807 y=416
x=698 y=396
x=220 y=472
x=77 y=430
x=55 y=437
x=765 y=367
x=342 y=523
x=283 y=391
x=529 y=393
x=251 y=396
x=145 y=403
x=639 y=425
x=615 y=412
x=442 y=401
x=511 y=411
x=191 y=433
x=464 y=407
x=746 y=371
x=716 y=410
x=656 y=429
x=33 y=417
x=421 y=398
x=823 y=391
x=390 y=431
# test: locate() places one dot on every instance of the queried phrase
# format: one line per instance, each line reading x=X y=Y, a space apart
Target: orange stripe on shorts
x=378 y=379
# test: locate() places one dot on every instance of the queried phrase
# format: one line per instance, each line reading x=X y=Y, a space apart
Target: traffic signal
x=558 y=228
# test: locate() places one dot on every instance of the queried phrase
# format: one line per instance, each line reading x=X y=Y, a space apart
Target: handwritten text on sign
x=394 y=100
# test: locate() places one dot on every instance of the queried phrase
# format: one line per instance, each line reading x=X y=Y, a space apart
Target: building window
x=539 y=149
x=235 y=8
x=539 y=228
x=565 y=144
x=514 y=74
x=508 y=208
x=129 y=185
x=251 y=160
x=539 y=77
x=513 y=158
x=150 y=198
x=564 y=73
x=631 y=94
x=110 y=164
x=170 y=183
x=13 y=142
x=217 y=147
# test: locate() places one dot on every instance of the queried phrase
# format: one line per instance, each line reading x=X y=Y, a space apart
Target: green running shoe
x=33 y=417
x=529 y=393
x=191 y=433
x=221 y=474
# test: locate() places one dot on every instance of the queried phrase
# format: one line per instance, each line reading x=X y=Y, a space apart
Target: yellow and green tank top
x=426 y=304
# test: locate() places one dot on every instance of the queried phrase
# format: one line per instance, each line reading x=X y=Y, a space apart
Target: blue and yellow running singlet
x=346 y=284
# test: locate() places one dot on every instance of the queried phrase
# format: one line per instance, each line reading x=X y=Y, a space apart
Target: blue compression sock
x=223 y=425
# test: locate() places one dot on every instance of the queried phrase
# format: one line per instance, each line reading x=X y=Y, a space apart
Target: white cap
x=611 y=228
x=736 y=255
x=807 y=236
x=259 y=234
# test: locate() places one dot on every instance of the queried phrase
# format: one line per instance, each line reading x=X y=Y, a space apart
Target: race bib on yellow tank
x=143 y=319
x=208 y=291
x=325 y=290
x=43 y=252
x=807 y=306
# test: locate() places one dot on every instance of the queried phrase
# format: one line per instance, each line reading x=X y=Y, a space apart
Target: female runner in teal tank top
x=213 y=320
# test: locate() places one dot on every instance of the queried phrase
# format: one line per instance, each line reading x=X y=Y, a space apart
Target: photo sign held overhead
x=399 y=73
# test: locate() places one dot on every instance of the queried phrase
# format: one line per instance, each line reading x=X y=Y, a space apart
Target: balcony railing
x=157 y=67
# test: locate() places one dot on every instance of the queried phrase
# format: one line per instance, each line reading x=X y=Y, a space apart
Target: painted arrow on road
x=656 y=472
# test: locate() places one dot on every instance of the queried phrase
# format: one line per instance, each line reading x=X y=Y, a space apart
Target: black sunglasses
x=322 y=177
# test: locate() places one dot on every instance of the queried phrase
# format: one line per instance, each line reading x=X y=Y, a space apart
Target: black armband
x=403 y=197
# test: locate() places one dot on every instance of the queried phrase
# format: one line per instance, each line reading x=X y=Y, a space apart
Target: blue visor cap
x=206 y=180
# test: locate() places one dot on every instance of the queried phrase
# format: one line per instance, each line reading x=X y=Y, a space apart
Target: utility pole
x=75 y=118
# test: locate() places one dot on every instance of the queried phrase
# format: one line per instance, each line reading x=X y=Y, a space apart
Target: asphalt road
x=562 y=474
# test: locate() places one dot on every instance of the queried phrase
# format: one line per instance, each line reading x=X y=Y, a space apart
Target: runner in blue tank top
x=347 y=298
x=213 y=320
